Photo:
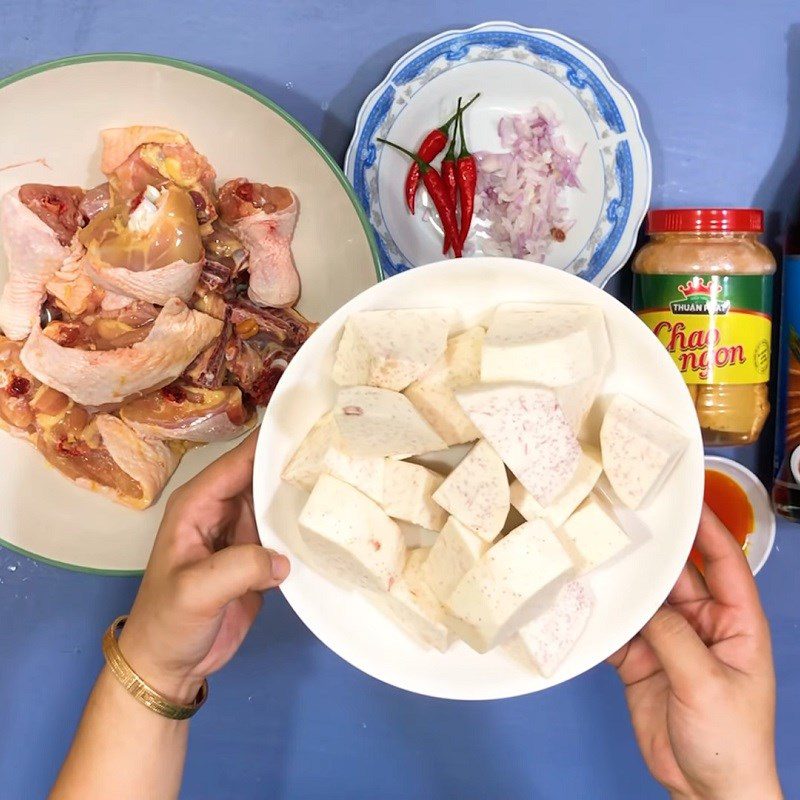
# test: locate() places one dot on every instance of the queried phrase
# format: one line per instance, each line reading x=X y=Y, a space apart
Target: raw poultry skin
x=155 y=265
x=190 y=413
x=102 y=377
x=140 y=156
x=144 y=315
x=263 y=218
x=19 y=387
x=34 y=252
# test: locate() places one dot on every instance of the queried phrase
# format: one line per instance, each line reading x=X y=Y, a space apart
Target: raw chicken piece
x=255 y=347
x=257 y=369
x=72 y=289
x=190 y=414
x=96 y=200
x=149 y=462
x=263 y=218
x=107 y=330
x=120 y=143
x=157 y=259
x=98 y=378
x=225 y=257
x=283 y=325
x=34 y=254
x=22 y=398
x=209 y=369
x=105 y=455
x=112 y=302
x=261 y=344
x=57 y=206
x=141 y=156
x=17 y=389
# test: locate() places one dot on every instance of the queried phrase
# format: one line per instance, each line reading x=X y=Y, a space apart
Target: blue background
x=718 y=86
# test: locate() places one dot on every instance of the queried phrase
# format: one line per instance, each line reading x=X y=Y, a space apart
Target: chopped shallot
x=520 y=198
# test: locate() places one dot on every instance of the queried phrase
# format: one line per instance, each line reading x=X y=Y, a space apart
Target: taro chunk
x=554 y=345
x=476 y=492
x=351 y=537
x=391 y=349
x=528 y=430
x=638 y=447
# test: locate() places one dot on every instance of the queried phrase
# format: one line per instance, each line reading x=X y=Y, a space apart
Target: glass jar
x=703 y=284
x=786 y=488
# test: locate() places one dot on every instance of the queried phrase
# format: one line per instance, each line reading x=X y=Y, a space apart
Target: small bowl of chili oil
x=740 y=500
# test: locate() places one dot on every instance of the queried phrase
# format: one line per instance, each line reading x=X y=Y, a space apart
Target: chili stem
x=446 y=127
x=463 y=153
x=451 y=150
x=424 y=166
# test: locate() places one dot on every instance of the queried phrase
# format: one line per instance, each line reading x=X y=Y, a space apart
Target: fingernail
x=280 y=565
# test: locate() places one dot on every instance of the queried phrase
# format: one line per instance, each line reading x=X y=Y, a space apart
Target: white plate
x=628 y=591
x=514 y=68
x=55 y=112
x=760 y=541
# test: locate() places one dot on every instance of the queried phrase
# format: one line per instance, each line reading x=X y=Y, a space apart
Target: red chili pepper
x=438 y=192
x=467 y=174
x=431 y=146
x=448 y=170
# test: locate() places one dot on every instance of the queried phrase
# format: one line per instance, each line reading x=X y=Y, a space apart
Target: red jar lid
x=705 y=220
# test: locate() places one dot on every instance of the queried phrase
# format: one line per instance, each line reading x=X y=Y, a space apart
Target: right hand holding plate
x=700 y=683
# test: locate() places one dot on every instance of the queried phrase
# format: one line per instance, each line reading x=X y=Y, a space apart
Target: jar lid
x=705 y=220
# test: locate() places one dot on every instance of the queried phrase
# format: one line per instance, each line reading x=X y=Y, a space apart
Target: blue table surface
x=718 y=86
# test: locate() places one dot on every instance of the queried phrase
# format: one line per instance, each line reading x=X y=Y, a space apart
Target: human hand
x=203 y=584
x=699 y=680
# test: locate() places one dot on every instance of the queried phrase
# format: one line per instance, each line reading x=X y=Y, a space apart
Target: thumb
x=231 y=573
x=681 y=652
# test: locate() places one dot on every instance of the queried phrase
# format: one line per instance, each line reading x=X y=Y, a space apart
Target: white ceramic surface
x=514 y=68
x=629 y=590
x=52 y=116
x=760 y=541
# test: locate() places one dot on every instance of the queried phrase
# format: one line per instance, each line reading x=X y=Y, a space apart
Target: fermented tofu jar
x=703 y=285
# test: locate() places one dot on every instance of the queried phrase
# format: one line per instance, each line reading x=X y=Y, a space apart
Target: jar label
x=787 y=437
x=717 y=328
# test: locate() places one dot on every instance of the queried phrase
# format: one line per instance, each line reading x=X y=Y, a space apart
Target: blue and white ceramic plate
x=514 y=69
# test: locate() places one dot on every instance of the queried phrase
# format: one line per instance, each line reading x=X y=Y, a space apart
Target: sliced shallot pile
x=520 y=198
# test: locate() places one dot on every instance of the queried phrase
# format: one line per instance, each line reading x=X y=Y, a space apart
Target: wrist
x=179 y=686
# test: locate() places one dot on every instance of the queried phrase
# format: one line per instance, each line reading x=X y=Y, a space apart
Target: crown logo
x=697 y=286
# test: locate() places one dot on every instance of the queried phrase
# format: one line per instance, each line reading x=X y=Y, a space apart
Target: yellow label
x=730 y=348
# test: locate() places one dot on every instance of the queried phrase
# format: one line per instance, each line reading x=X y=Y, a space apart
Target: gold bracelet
x=141 y=690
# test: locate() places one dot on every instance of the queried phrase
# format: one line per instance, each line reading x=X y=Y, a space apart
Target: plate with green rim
x=53 y=114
